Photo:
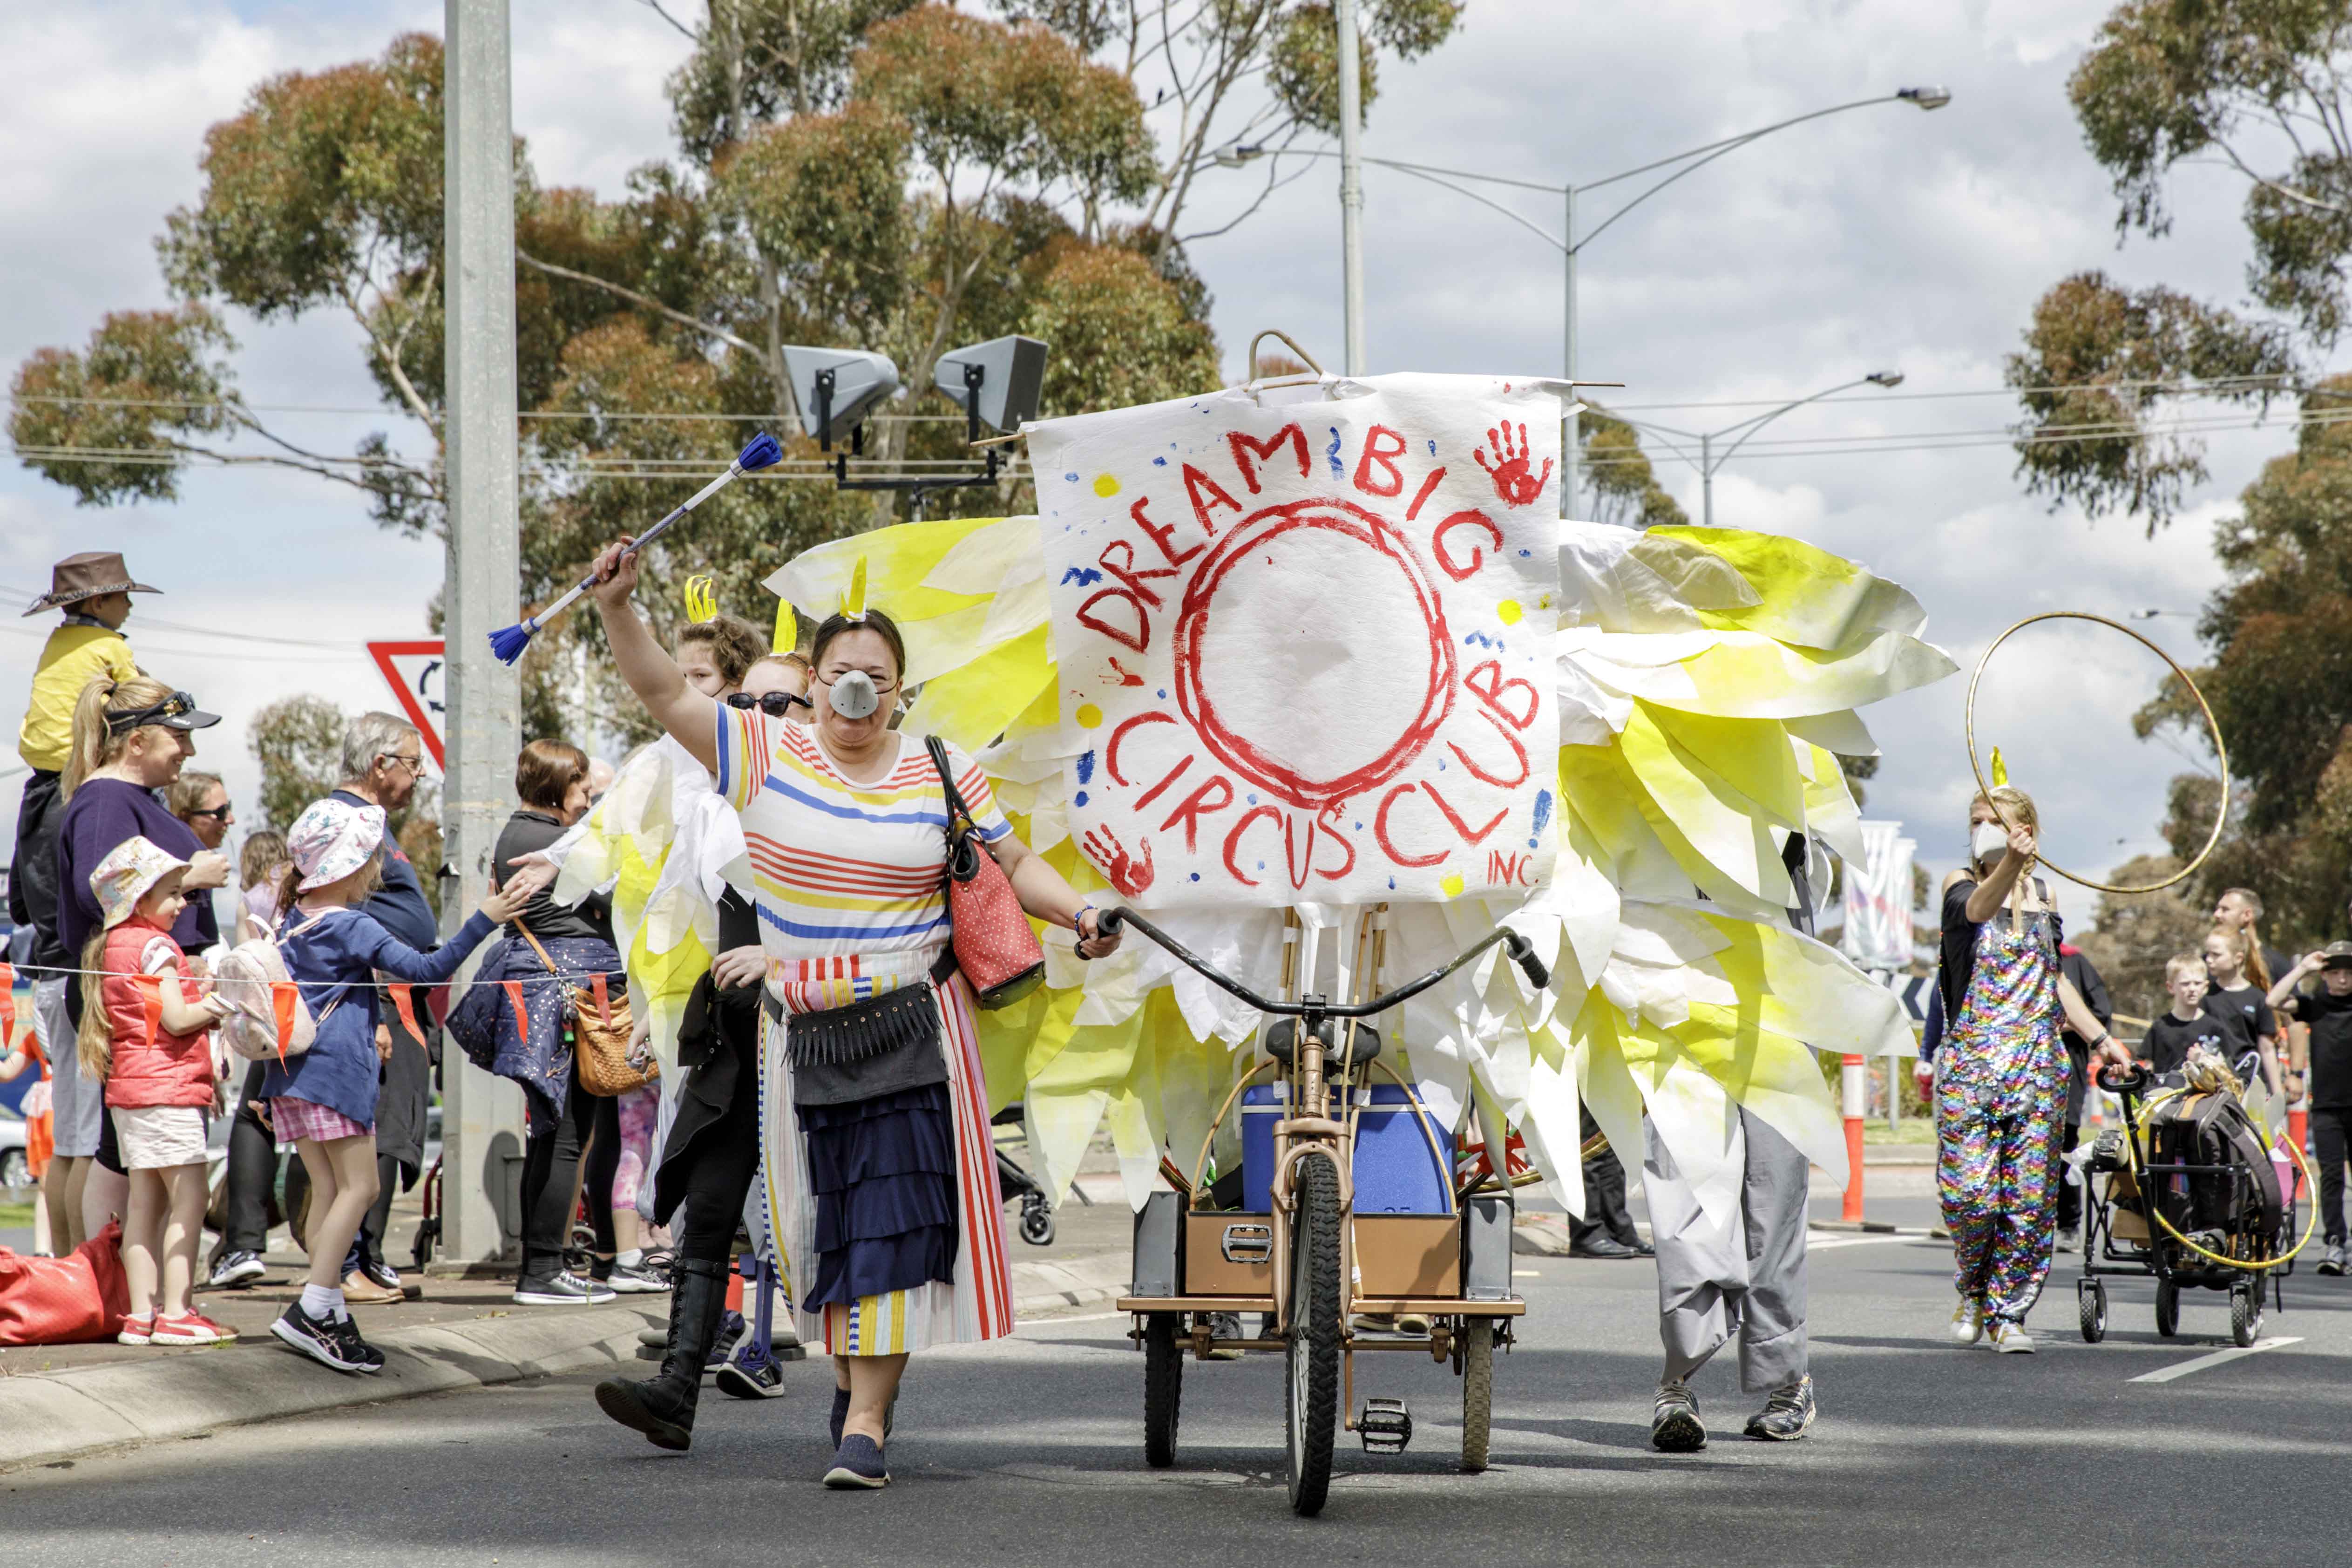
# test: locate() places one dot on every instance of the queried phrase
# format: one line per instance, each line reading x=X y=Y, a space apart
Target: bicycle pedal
x=1386 y=1426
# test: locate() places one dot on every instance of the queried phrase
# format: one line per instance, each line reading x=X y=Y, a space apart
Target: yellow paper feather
x=853 y=598
x=701 y=602
x=788 y=629
x=1999 y=768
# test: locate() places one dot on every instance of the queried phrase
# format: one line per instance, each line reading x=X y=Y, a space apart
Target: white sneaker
x=1967 y=1321
x=2010 y=1339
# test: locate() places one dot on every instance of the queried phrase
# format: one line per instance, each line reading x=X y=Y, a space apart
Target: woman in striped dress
x=876 y=1172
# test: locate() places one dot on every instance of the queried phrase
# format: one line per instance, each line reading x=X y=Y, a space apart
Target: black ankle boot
x=662 y=1407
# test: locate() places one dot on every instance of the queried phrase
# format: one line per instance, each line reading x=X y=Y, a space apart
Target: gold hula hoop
x=2220 y=818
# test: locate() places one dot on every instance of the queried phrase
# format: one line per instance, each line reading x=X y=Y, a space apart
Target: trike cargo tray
x=1396 y=1254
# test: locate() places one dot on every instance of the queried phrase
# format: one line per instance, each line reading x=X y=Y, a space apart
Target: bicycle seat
x=1282 y=1041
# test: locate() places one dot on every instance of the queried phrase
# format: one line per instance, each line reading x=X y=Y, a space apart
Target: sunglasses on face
x=774 y=704
x=218 y=813
x=172 y=707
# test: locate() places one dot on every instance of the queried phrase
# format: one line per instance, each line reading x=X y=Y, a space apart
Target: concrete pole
x=481 y=1115
x=1352 y=186
x=1707 y=481
x=1571 y=461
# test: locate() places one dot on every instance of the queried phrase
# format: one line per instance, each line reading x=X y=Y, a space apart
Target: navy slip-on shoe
x=858 y=1466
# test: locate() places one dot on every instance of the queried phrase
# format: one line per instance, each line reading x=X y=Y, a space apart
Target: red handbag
x=65 y=1300
x=994 y=943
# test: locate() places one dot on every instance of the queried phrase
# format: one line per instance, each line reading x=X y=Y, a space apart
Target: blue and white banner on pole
x=1878 y=898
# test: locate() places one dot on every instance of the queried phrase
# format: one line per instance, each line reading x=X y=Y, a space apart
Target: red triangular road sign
x=414 y=671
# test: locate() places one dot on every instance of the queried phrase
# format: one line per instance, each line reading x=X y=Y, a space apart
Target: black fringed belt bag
x=881 y=1046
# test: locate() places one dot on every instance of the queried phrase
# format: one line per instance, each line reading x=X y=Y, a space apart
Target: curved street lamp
x=1709 y=459
x=1568 y=242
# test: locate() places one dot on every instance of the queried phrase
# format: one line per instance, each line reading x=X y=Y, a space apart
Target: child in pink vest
x=143 y=1032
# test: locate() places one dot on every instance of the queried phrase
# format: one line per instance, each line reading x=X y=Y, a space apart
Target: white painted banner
x=1307 y=646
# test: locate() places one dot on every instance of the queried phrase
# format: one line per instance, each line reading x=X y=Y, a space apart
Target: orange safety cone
x=1854 y=1083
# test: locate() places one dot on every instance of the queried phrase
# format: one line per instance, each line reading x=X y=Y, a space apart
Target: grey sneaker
x=238 y=1269
x=2334 y=1262
x=563 y=1289
x=1786 y=1416
x=2010 y=1338
x=1675 y=1426
x=629 y=1279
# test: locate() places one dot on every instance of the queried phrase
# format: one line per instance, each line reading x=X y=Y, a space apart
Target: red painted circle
x=1252 y=536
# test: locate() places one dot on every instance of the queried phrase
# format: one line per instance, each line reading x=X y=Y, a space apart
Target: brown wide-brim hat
x=86 y=576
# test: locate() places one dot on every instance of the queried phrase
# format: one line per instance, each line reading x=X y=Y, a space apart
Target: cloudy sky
x=1883 y=239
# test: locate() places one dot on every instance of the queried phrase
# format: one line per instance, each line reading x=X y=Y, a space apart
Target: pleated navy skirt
x=883 y=1173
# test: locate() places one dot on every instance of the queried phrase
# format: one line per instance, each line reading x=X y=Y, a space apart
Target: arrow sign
x=414 y=671
x=1912 y=988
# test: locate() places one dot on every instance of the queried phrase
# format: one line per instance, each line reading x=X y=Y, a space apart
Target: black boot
x=662 y=1407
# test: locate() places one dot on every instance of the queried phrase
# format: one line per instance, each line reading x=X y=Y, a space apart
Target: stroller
x=1013 y=1182
x=2191 y=1198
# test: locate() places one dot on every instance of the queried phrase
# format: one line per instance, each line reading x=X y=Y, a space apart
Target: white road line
x=2166 y=1374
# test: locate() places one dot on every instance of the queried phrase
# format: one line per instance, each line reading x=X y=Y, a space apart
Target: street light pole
x=1708 y=461
x=1351 y=188
x=482 y=1119
x=1351 y=200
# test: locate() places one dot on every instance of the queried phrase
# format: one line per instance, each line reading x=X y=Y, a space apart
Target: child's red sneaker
x=136 y=1331
x=191 y=1329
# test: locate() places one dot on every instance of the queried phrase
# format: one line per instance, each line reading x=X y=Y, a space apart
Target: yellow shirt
x=73 y=654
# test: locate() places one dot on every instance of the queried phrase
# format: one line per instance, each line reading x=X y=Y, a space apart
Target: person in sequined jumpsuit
x=2000 y=1074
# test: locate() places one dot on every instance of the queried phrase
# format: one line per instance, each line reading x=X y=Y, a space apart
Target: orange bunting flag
x=604 y=1007
x=404 y=1004
x=7 y=1004
x=522 y=1016
x=283 y=998
x=150 y=1002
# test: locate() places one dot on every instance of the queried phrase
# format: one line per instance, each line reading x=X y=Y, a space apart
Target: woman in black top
x=568 y=1125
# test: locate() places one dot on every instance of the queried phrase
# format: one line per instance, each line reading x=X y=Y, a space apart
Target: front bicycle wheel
x=1163 y=1387
x=1312 y=1405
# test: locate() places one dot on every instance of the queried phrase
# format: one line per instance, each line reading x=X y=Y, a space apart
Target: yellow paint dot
x=1451 y=886
x=1544 y=603
x=1509 y=612
x=1089 y=716
x=1106 y=486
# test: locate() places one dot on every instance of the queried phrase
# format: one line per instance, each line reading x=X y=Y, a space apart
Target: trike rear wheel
x=1312 y=1405
x=1477 y=1391
x=1164 y=1386
x=2168 y=1308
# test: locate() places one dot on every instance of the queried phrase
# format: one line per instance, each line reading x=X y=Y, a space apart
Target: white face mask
x=1987 y=841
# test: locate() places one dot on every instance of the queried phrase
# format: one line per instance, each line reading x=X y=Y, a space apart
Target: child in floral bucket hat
x=144 y=1032
x=323 y=1101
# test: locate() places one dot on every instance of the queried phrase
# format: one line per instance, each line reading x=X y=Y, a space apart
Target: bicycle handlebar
x=1521 y=951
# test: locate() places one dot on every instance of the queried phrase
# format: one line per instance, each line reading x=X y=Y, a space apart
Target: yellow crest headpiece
x=852 y=600
x=1999 y=768
x=701 y=602
x=787 y=636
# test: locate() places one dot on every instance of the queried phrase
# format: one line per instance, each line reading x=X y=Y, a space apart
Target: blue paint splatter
x=1480 y=639
x=1441 y=765
x=1432 y=452
x=1360 y=827
x=1086 y=767
x=1333 y=452
x=1196 y=876
x=1159 y=462
x=1084 y=576
x=1071 y=478
x=1261 y=864
x=1527 y=553
x=1080 y=799
x=1543 y=809
x=1392 y=884
x=1252 y=799
x=1163 y=695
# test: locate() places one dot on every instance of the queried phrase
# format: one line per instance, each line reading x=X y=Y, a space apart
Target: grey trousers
x=1745 y=1276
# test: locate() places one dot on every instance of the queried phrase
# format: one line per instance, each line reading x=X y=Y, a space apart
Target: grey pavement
x=1030 y=1451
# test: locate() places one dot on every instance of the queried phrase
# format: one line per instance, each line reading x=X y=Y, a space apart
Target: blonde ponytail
x=95 y=1042
x=94 y=746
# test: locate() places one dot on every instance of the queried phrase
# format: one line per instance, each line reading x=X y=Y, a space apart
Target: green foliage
x=2100 y=360
x=1120 y=332
x=758 y=61
x=1620 y=484
x=299 y=741
x=2129 y=937
x=147 y=379
x=822 y=193
x=1303 y=68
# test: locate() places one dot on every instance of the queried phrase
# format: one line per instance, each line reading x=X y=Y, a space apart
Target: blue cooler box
x=1396 y=1170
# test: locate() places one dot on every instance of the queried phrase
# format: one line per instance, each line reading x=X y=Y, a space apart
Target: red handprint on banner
x=1132 y=874
x=1515 y=485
